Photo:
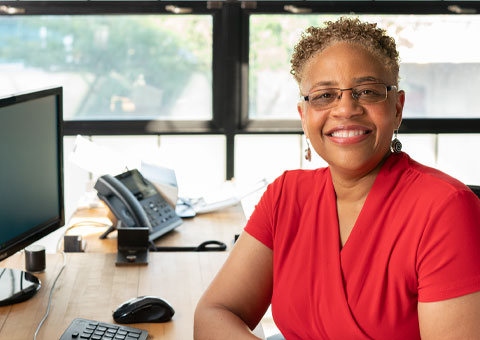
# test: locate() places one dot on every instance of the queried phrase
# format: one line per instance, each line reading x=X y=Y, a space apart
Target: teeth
x=348 y=133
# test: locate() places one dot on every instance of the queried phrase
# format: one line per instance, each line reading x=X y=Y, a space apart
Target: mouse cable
x=53 y=287
x=211 y=245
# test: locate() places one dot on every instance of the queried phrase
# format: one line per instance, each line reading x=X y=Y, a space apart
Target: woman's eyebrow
x=358 y=80
x=324 y=83
x=364 y=79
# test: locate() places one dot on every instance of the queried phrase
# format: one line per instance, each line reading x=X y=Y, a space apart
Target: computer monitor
x=31 y=181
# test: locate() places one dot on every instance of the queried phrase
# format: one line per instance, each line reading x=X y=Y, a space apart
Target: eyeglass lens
x=364 y=94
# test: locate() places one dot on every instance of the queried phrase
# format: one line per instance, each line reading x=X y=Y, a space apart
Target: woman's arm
x=238 y=297
x=457 y=318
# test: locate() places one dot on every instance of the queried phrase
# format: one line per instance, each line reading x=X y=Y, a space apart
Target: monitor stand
x=16 y=286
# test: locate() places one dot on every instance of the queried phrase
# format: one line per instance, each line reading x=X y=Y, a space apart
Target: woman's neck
x=354 y=186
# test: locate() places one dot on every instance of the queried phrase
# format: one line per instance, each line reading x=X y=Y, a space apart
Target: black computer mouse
x=144 y=309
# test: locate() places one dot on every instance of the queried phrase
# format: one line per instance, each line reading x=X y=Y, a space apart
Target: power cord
x=84 y=224
x=50 y=297
x=204 y=246
x=88 y=223
x=53 y=285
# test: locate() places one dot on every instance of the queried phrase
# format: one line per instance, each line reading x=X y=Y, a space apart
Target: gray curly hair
x=368 y=35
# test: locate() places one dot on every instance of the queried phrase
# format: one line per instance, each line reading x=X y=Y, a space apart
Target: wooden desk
x=221 y=226
x=91 y=287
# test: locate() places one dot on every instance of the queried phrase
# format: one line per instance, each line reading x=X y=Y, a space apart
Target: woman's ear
x=301 y=112
x=400 y=102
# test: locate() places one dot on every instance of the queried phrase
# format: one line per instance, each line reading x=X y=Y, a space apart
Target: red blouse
x=417 y=238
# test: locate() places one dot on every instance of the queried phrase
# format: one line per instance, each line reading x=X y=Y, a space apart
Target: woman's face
x=352 y=138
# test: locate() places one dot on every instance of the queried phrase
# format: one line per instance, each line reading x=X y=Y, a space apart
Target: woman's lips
x=348 y=135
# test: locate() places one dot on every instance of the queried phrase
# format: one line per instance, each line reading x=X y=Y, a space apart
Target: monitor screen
x=31 y=171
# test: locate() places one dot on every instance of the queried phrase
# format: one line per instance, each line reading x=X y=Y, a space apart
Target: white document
x=164 y=180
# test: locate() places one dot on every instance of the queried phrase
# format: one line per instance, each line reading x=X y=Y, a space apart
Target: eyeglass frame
x=387 y=87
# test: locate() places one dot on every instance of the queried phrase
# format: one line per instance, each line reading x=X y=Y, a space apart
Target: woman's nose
x=347 y=106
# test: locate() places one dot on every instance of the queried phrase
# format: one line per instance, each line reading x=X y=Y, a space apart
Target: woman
x=376 y=245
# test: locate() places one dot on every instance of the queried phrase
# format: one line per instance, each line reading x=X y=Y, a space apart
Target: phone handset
x=122 y=202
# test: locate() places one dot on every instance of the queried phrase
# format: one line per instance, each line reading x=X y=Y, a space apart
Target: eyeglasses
x=363 y=94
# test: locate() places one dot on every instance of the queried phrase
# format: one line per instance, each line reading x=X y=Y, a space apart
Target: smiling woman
x=374 y=246
x=351 y=133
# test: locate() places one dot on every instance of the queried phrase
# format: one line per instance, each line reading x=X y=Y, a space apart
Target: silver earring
x=308 y=152
x=395 y=145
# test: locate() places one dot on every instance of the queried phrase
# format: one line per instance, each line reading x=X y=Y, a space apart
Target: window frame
x=136 y=127
x=230 y=57
x=409 y=125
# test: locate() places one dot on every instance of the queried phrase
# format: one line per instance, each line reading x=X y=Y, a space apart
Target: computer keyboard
x=83 y=329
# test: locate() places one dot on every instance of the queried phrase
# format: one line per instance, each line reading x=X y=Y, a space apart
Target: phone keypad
x=158 y=212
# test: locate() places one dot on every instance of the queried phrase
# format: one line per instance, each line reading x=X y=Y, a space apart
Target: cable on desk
x=51 y=289
x=50 y=297
x=84 y=223
x=88 y=223
x=204 y=246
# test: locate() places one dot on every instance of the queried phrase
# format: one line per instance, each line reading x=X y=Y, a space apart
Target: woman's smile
x=348 y=134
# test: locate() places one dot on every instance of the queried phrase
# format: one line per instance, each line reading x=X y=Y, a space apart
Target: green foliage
x=272 y=39
x=114 y=54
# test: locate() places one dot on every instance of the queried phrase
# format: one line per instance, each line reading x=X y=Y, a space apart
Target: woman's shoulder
x=298 y=176
x=298 y=183
x=431 y=180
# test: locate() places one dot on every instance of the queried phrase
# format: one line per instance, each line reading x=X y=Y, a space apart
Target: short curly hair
x=352 y=30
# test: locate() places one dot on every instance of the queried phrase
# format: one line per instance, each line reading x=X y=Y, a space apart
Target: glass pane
x=113 y=67
x=76 y=180
x=439 y=78
x=420 y=147
x=270 y=156
x=259 y=157
x=198 y=161
x=456 y=156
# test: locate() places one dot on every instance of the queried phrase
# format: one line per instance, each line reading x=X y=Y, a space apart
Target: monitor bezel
x=47 y=227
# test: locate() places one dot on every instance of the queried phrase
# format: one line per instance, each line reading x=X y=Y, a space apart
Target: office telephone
x=135 y=202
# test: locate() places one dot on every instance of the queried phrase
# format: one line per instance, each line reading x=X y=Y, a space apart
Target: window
x=222 y=68
x=113 y=67
x=438 y=59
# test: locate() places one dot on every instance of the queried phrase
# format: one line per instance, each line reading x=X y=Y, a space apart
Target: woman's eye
x=368 y=92
x=322 y=96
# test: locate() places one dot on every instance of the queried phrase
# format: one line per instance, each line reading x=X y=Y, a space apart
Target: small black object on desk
x=73 y=244
x=132 y=246
x=35 y=258
x=144 y=309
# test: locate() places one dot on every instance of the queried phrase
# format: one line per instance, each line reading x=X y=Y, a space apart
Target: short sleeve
x=261 y=223
x=448 y=256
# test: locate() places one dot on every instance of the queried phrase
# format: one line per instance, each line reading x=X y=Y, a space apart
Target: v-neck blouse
x=416 y=239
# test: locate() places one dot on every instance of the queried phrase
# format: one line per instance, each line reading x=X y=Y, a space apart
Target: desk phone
x=136 y=202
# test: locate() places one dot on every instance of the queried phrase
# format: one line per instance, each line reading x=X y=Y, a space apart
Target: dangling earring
x=395 y=145
x=308 y=152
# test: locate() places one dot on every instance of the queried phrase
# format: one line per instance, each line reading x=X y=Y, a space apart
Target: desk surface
x=221 y=225
x=91 y=287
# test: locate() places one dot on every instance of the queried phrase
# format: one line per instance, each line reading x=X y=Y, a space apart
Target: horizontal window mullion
x=428 y=125
x=361 y=7
x=105 y=7
x=137 y=127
